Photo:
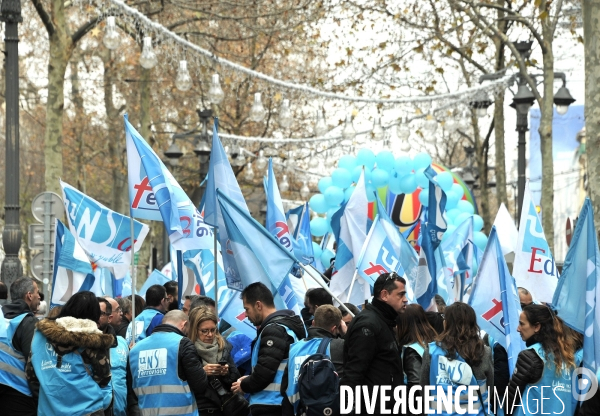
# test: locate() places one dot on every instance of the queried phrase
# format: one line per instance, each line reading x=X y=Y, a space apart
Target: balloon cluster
x=401 y=175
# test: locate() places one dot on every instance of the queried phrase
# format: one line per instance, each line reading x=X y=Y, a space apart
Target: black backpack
x=319 y=384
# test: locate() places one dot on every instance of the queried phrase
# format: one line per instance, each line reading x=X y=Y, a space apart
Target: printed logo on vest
x=152 y=363
x=453 y=372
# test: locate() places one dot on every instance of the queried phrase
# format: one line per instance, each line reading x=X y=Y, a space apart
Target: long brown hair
x=413 y=326
x=553 y=336
x=461 y=335
x=199 y=315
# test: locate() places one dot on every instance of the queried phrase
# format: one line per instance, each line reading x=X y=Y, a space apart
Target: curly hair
x=199 y=315
x=413 y=326
x=461 y=335
x=553 y=336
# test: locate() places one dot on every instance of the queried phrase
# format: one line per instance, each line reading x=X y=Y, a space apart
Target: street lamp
x=10 y=14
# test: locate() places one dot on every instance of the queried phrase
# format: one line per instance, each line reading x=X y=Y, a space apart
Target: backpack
x=319 y=384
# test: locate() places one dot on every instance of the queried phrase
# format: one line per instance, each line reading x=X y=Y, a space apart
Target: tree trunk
x=482 y=167
x=591 y=32
x=78 y=130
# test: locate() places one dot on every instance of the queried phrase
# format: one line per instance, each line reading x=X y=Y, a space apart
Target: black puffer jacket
x=24 y=333
x=189 y=367
x=529 y=369
x=274 y=347
x=371 y=353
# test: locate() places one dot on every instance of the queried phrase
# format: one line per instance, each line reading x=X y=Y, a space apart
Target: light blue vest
x=67 y=390
x=154 y=362
x=12 y=362
x=299 y=352
x=454 y=373
x=415 y=346
x=142 y=322
x=118 y=367
x=271 y=395
x=556 y=395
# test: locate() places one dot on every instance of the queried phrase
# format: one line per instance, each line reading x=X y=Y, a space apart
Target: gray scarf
x=209 y=353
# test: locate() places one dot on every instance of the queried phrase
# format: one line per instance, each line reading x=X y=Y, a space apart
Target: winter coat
x=274 y=347
x=24 y=333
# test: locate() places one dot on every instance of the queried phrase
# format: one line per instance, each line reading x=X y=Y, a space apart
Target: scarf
x=209 y=353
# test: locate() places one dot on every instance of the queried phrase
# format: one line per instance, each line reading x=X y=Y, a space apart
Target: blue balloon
x=395 y=184
x=366 y=157
x=379 y=178
x=385 y=160
x=462 y=217
x=458 y=190
x=477 y=223
x=451 y=215
x=445 y=180
x=318 y=204
x=403 y=165
x=334 y=196
x=409 y=184
x=480 y=240
x=326 y=257
x=342 y=178
x=356 y=174
x=449 y=230
x=324 y=183
x=465 y=206
x=330 y=213
x=317 y=250
x=347 y=162
x=348 y=193
x=421 y=161
x=451 y=200
x=424 y=197
x=318 y=226
x=422 y=180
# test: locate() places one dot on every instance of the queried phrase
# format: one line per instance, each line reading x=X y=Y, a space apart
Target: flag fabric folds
x=578 y=289
x=155 y=278
x=534 y=268
x=72 y=269
x=103 y=234
x=251 y=253
x=302 y=238
x=496 y=301
x=506 y=230
x=182 y=220
x=276 y=222
x=201 y=263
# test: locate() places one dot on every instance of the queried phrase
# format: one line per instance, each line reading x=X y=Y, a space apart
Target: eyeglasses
x=393 y=276
x=103 y=313
x=208 y=331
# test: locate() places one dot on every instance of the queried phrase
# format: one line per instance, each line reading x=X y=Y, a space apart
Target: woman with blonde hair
x=215 y=354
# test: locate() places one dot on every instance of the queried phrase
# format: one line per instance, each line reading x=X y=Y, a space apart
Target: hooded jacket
x=69 y=334
x=24 y=334
x=274 y=347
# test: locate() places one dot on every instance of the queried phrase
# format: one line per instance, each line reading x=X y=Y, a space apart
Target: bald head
x=177 y=319
x=117 y=314
x=525 y=297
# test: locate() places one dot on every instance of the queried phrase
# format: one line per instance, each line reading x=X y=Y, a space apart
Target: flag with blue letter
x=534 y=267
x=251 y=253
x=496 y=301
x=72 y=269
x=292 y=217
x=578 y=290
x=103 y=234
x=350 y=225
x=302 y=238
x=182 y=220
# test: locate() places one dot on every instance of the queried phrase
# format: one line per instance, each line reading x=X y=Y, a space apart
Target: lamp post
x=201 y=140
x=10 y=14
x=522 y=102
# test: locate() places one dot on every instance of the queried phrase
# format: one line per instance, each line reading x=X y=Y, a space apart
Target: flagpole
x=352 y=285
x=216 y=271
x=324 y=286
x=133 y=278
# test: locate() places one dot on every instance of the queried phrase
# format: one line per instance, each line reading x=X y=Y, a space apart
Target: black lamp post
x=10 y=14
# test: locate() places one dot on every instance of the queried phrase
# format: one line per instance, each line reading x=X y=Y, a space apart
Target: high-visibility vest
x=154 y=362
x=142 y=322
x=271 y=395
x=12 y=362
x=118 y=367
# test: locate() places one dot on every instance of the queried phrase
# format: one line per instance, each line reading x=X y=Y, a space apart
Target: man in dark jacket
x=150 y=367
x=20 y=313
x=276 y=331
x=371 y=352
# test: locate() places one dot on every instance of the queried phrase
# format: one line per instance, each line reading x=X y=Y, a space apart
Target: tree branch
x=84 y=29
x=46 y=20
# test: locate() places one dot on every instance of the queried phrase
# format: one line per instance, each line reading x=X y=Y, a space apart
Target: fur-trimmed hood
x=75 y=333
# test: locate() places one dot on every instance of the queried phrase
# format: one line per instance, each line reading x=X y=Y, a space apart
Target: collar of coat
x=73 y=332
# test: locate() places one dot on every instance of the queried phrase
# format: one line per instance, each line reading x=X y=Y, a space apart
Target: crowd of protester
x=82 y=358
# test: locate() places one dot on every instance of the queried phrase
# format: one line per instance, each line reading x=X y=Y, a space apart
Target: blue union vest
x=454 y=373
x=557 y=397
x=142 y=322
x=12 y=362
x=153 y=362
x=67 y=390
x=118 y=367
x=271 y=395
